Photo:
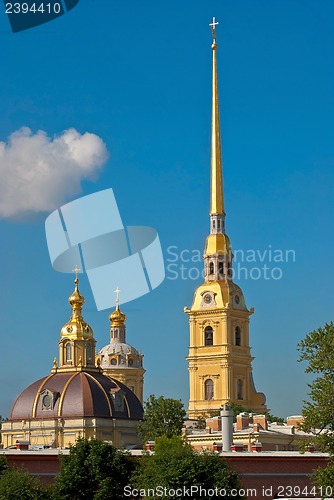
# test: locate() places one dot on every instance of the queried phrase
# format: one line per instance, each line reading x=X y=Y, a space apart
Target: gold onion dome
x=117 y=318
x=76 y=299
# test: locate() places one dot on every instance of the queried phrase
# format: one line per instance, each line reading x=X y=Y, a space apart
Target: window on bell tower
x=88 y=353
x=239 y=389
x=221 y=267
x=208 y=389
x=238 y=336
x=68 y=353
x=208 y=335
x=211 y=268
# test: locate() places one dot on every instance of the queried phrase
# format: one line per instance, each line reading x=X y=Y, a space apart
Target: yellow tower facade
x=219 y=360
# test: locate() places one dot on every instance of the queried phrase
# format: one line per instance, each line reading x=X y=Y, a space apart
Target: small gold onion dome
x=117 y=317
x=76 y=299
x=76 y=327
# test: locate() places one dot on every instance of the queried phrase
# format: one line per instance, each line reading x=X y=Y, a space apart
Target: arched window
x=68 y=353
x=130 y=362
x=239 y=389
x=237 y=336
x=221 y=267
x=88 y=353
x=113 y=361
x=208 y=389
x=218 y=223
x=211 y=268
x=208 y=335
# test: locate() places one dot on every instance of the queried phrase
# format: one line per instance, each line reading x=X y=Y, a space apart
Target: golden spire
x=217 y=243
x=217 y=199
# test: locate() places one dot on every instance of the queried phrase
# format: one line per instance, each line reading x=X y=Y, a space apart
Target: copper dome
x=75 y=395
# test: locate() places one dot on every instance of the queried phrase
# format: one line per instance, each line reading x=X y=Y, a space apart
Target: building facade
x=219 y=359
x=251 y=432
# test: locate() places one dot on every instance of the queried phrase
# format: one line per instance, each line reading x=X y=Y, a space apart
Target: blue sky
x=138 y=75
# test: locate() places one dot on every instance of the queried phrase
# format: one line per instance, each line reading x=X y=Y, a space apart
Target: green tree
x=94 y=470
x=200 y=423
x=3 y=464
x=317 y=349
x=236 y=408
x=176 y=465
x=19 y=485
x=324 y=478
x=273 y=418
x=162 y=417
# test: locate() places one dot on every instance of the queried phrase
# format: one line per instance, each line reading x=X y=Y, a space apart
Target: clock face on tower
x=207 y=298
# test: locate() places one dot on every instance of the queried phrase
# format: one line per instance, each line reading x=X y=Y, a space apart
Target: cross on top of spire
x=117 y=295
x=213 y=28
x=76 y=270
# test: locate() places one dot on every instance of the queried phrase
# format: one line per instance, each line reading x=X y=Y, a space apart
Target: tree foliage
x=317 y=349
x=3 y=464
x=176 y=465
x=162 y=417
x=18 y=484
x=94 y=470
x=236 y=408
x=324 y=478
x=273 y=418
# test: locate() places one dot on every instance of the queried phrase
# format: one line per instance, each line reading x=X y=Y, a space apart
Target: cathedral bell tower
x=219 y=360
x=77 y=343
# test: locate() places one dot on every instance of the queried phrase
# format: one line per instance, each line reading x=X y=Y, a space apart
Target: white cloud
x=39 y=173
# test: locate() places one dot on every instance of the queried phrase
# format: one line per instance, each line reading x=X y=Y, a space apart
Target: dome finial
x=213 y=29
x=76 y=299
x=76 y=270
x=117 y=297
